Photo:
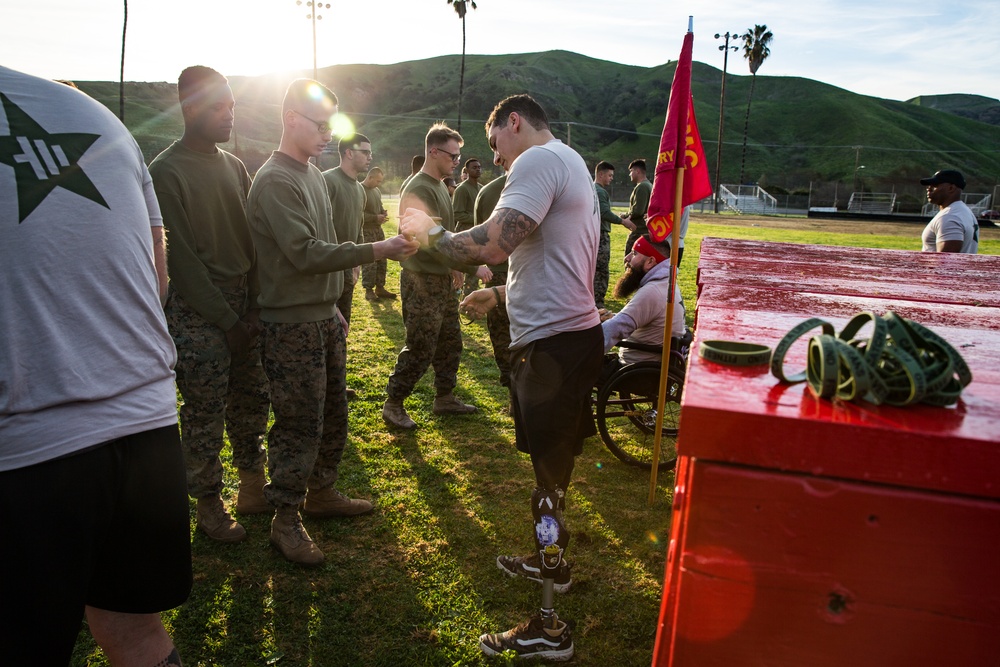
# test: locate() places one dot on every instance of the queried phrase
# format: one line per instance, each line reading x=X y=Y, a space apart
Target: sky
x=884 y=48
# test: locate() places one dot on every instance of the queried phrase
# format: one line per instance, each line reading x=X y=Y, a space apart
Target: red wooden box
x=815 y=532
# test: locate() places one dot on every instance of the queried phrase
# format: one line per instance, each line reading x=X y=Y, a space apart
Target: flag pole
x=680 y=148
x=675 y=236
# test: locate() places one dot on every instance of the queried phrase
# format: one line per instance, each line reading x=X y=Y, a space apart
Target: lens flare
x=316 y=92
x=653 y=537
x=342 y=125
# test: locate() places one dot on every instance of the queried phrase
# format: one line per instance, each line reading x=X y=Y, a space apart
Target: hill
x=976 y=107
x=801 y=131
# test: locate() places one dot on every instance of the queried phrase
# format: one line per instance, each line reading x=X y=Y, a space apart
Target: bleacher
x=874 y=203
x=747 y=199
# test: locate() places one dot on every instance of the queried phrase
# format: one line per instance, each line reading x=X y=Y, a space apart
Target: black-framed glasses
x=322 y=126
x=455 y=157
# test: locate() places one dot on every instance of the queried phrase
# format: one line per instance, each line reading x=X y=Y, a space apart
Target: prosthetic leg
x=543 y=635
x=551 y=540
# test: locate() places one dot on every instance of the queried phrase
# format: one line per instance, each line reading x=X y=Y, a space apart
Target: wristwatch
x=435 y=234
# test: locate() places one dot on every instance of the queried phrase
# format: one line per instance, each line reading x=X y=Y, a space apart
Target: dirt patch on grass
x=912 y=229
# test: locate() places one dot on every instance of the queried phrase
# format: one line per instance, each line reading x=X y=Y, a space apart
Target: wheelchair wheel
x=626 y=414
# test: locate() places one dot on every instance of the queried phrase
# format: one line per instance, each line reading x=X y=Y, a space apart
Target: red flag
x=680 y=147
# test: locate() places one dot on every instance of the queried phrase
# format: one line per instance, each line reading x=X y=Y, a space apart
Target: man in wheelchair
x=638 y=327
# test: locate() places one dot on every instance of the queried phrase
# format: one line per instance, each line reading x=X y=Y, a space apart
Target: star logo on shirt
x=43 y=161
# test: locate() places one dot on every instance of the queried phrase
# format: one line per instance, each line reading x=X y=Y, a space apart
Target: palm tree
x=756 y=51
x=461 y=9
x=121 y=75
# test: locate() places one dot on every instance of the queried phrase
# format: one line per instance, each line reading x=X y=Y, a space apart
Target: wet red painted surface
x=814 y=532
x=911 y=276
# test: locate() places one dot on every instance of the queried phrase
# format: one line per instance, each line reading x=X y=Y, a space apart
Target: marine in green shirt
x=463 y=202
x=603 y=173
x=211 y=307
x=427 y=285
x=347 y=197
x=635 y=218
x=373 y=275
x=301 y=265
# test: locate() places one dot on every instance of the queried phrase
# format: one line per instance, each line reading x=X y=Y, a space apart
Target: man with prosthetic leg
x=546 y=221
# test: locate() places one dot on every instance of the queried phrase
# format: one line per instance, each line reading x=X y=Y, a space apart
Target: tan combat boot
x=250 y=499
x=383 y=293
x=394 y=414
x=215 y=521
x=447 y=404
x=330 y=502
x=289 y=536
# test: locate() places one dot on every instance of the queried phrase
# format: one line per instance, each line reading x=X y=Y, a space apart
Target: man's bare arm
x=160 y=261
x=491 y=242
x=949 y=246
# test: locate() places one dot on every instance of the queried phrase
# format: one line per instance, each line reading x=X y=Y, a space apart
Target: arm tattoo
x=463 y=247
x=473 y=246
x=514 y=228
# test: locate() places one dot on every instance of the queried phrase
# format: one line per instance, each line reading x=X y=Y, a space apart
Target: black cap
x=945 y=176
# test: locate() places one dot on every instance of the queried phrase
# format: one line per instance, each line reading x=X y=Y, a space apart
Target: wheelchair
x=625 y=406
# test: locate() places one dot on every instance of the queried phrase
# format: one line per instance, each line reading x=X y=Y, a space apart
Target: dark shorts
x=108 y=527
x=551 y=383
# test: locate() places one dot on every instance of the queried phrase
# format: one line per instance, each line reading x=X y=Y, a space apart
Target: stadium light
x=314 y=16
x=722 y=105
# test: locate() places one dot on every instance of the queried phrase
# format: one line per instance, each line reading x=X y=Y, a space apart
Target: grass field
x=415 y=583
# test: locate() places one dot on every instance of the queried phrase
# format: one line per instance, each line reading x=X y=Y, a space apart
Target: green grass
x=415 y=583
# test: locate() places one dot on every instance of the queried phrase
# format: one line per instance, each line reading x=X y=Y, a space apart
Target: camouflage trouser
x=602 y=269
x=217 y=395
x=498 y=324
x=433 y=334
x=373 y=275
x=305 y=364
x=470 y=284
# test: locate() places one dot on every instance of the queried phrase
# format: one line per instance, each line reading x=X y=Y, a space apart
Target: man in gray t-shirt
x=93 y=504
x=547 y=222
x=954 y=228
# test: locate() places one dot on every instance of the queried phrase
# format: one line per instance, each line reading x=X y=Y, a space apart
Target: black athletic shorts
x=551 y=380
x=108 y=527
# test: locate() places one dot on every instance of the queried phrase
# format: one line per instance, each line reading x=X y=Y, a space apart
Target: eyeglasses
x=455 y=157
x=322 y=126
x=366 y=151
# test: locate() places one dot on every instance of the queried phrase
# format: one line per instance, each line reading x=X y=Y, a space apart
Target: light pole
x=722 y=106
x=313 y=16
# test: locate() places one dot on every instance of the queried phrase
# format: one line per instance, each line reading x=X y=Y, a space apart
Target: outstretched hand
x=397 y=248
x=415 y=224
x=478 y=303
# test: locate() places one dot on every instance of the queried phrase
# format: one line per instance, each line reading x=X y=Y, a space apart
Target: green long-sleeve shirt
x=347 y=197
x=373 y=207
x=486 y=203
x=639 y=204
x=300 y=261
x=202 y=197
x=463 y=202
x=434 y=196
x=608 y=218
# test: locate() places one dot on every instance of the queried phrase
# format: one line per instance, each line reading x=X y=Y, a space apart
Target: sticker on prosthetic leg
x=551 y=535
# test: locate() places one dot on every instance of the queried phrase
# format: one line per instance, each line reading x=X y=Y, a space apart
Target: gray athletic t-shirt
x=955 y=222
x=550 y=286
x=85 y=356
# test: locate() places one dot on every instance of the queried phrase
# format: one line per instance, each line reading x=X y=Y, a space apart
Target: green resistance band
x=733 y=353
x=900 y=363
